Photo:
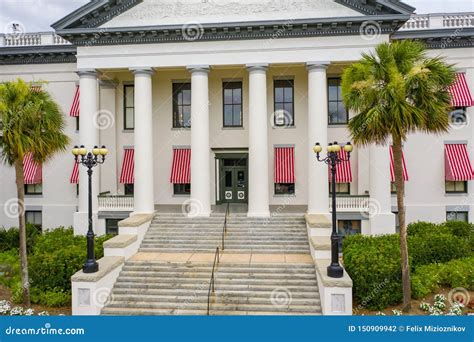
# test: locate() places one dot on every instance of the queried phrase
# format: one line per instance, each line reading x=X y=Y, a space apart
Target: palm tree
x=395 y=91
x=32 y=123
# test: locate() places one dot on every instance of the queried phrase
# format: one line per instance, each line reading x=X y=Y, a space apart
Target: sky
x=38 y=15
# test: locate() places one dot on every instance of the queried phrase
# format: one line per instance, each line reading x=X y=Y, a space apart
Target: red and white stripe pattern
x=36 y=88
x=181 y=166
x=74 y=112
x=75 y=174
x=392 y=167
x=460 y=93
x=32 y=172
x=284 y=165
x=127 y=176
x=457 y=165
x=343 y=169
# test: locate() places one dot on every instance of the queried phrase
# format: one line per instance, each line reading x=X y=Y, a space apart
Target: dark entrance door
x=233 y=180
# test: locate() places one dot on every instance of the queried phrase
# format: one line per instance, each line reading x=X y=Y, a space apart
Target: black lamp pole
x=333 y=159
x=90 y=160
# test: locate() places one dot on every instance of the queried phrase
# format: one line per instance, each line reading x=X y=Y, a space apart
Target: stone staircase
x=265 y=285
x=280 y=234
x=165 y=288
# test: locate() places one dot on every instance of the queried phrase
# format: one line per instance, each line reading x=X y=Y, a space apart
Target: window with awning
x=32 y=171
x=181 y=166
x=75 y=174
x=127 y=176
x=284 y=165
x=460 y=93
x=457 y=165
x=74 y=111
x=392 y=167
x=343 y=169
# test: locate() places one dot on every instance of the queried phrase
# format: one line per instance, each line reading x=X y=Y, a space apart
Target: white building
x=259 y=80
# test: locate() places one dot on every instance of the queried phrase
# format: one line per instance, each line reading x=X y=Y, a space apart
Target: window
x=77 y=189
x=181 y=105
x=457 y=216
x=397 y=221
x=129 y=189
x=456 y=187
x=182 y=189
x=284 y=104
x=77 y=123
x=232 y=93
x=393 y=188
x=34 y=217
x=458 y=116
x=337 y=111
x=346 y=228
x=33 y=189
x=341 y=188
x=129 y=107
x=284 y=188
x=111 y=226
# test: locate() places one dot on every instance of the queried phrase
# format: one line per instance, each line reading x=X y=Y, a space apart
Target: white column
x=318 y=185
x=382 y=220
x=143 y=142
x=258 y=142
x=89 y=137
x=200 y=150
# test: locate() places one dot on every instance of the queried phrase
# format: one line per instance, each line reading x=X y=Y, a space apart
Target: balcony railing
x=115 y=203
x=439 y=21
x=349 y=203
x=31 y=39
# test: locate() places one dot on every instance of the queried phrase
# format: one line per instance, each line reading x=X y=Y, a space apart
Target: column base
x=259 y=214
x=81 y=224
x=383 y=223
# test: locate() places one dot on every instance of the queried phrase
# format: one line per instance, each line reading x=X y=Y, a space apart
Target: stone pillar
x=89 y=137
x=143 y=142
x=200 y=202
x=382 y=220
x=318 y=185
x=258 y=142
x=108 y=136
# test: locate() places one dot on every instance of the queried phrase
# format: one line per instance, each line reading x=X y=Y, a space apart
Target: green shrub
x=460 y=228
x=428 y=279
x=373 y=262
x=10 y=238
x=52 y=298
x=436 y=248
x=9 y=267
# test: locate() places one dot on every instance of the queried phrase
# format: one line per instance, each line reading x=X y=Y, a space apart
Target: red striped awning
x=457 y=165
x=343 y=170
x=32 y=172
x=75 y=104
x=284 y=165
x=460 y=93
x=36 y=88
x=181 y=166
x=75 y=174
x=127 y=176
x=392 y=167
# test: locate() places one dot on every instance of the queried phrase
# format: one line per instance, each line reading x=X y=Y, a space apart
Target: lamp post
x=333 y=159
x=90 y=160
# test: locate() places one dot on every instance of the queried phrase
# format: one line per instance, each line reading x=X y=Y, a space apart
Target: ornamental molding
x=38 y=55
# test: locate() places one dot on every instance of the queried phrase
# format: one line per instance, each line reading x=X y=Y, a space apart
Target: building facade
x=208 y=102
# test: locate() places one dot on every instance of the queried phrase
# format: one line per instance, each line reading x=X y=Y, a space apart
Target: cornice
x=440 y=38
x=47 y=54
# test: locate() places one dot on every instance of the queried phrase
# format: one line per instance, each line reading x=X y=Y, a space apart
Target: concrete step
x=221 y=281
x=229 y=274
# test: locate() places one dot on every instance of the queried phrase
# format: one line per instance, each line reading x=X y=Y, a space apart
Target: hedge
x=10 y=238
x=373 y=262
x=455 y=273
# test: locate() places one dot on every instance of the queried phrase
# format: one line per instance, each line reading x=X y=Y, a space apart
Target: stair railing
x=212 y=285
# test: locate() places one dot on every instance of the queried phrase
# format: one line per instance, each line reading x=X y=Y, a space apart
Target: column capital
x=257 y=66
x=87 y=73
x=198 y=68
x=108 y=84
x=142 y=71
x=317 y=65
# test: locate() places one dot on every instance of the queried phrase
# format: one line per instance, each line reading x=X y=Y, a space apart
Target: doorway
x=233 y=178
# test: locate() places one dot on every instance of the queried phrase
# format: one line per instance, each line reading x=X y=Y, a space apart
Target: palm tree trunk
x=20 y=189
x=400 y=184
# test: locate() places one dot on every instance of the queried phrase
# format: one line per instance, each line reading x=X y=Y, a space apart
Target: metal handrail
x=212 y=285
